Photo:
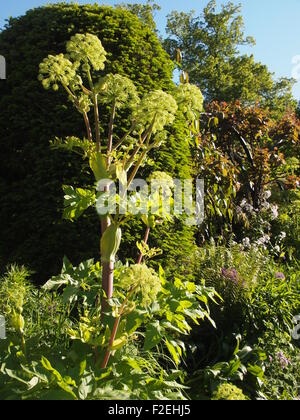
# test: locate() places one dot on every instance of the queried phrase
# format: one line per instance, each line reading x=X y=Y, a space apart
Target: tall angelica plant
x=111 y=159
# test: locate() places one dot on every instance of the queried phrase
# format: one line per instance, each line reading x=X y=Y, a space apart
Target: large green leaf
x=77 y=200
x=153 y=336
x=98 y=166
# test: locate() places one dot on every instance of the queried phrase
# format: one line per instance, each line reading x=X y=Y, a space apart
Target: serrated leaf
x=77 y=201
x=153 y=335
x=173 y=352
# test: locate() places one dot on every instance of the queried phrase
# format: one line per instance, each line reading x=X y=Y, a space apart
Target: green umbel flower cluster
x=162 y=178
x=55 y=70
x=14 y=289
x=156 y=106
x=117 y=89
x=228 y=392
x=189 y=99
x=84 y=104
x=159 y=138
x=87 y=50
x=141 y=279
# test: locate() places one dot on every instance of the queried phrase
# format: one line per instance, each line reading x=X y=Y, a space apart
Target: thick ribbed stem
x=107 y=270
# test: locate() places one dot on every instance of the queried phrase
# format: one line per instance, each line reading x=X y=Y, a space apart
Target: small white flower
x=239 y=210
x=274 y=212
x=265 y=205
x=246 y=206
x=243 y=203
x=246 y=243
x=264 y=240
x=282 y=236
x=260 y=241
x=267 y=195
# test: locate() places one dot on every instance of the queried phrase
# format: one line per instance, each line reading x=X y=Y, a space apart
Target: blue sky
x=273 y=23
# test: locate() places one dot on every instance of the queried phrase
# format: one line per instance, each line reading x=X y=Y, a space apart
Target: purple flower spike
x=231 y=274
x=283 y=360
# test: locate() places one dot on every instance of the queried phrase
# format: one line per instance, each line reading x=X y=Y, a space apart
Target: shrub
x=148 y=349
x=275 y=300
x=102 y=322
x=261 y=313
x=246 y=157
x=235 y=274
x=282 y=365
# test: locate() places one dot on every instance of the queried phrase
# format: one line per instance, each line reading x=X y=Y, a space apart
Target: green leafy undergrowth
x=146 y=353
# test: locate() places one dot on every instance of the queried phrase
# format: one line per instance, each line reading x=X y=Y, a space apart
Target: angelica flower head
x=117 y=89
x=156 y=106
x=189 y=99
x=87 y=49
x=84 y=103
x=141 y=279
x=162 y=179
x=56 y=70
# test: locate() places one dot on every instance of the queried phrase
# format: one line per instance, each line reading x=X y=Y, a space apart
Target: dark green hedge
x=32 y=231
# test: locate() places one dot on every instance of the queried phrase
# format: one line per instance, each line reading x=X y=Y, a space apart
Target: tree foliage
x=145 y=12
x=210 y=44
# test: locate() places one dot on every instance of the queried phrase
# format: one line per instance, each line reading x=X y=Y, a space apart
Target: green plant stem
x=107 y=271
x=110 y=133
x=121 y=141
x=85 y=116
x=23 y=342
x=96 y=111
x=147 y=137
x=140 y=259
x=111 y=341
x=131 y=160
x=137 y=166
x=96 y=117
x=88 y=127
x=115 y=330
